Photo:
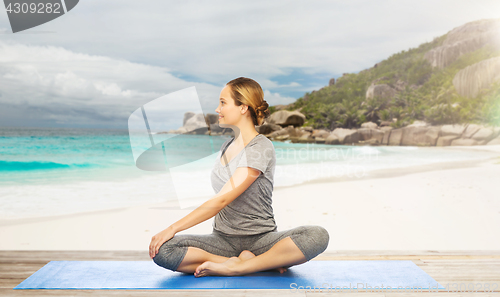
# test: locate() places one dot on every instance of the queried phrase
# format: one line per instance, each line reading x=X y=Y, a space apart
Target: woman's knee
x=321 y=237
x=314 y=240
x=170 y=255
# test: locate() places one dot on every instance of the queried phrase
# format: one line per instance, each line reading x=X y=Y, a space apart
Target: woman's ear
x=243 y=108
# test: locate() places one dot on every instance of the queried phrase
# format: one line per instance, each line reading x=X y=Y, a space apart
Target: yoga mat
x=383 y=274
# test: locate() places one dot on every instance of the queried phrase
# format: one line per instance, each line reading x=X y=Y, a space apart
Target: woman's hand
x=159 y=239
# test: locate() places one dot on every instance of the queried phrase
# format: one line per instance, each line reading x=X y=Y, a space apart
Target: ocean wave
x=36 y=165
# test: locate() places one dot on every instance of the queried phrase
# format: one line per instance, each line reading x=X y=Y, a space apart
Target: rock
x=395 y=137
x=306 y=138
x=282 y=137
x=419 y=135
x=285 y=118
x=495 y=141
x=385 y=123
x=387 y=133
x=346 y=136
x=366 y=134
x=195 y=122
x=400 y=85
x=464 y=39
x=332 y=139
x=382 y=90
x=464 y=141
x=418 y=124
x=372 y=141
x=307 y=128
x=331 y=82
x=212 y=118
x=268 y=128
x=446 y=140
x=455 y=130
x=470 y=130
x=320 y=133
x=484 y=135
x=432 y=135
x=415 y=136
x=470 y=80
x=293 y=132
x=277 y=133
x=319 y=140
x=369 y=125
x=187 y=116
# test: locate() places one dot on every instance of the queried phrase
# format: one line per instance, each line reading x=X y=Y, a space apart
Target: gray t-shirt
x=250 y=213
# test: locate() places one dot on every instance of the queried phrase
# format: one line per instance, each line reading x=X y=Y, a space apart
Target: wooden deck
x=447 y=267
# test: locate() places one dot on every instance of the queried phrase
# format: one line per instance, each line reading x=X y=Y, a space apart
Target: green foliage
x=272 y=109
x=428 y=94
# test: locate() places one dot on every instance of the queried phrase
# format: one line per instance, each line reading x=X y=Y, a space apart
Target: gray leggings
x=311 y=240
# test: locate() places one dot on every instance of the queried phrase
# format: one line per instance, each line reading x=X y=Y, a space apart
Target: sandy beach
x=445 y=206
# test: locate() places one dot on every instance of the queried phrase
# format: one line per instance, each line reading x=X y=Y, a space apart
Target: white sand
x=436 y=207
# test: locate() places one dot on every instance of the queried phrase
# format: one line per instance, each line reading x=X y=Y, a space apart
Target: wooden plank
x=444 y=267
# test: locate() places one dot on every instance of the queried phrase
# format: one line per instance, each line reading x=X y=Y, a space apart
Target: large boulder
x=346 y=136
x=432 y=135
x=332 y=139
x=306 y=138
x=367 y=134
x=470 y=130
x=212 y=118
x=465 y=39
x=472 y=79
x=369 y=125
x=285 y=118
x=382 y=90
x=453 y=130
x=484 y=135
x=268 y=128
x=446 y=140
x=395 y=137
x=464 y=141
x=320 y=133
x=416 y=136
x=195 y=122
x=293 y=132
x=187 y=116
x=387 y=133
x=495 y=141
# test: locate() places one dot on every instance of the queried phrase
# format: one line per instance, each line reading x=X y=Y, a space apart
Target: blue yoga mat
x=328 y=275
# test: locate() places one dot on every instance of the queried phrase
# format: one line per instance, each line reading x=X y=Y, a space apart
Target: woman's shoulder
x=262 y=143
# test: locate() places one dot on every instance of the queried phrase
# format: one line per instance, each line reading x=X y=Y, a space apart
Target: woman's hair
x=247 y=91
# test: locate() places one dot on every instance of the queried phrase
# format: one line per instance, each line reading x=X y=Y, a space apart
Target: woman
x=244 y=237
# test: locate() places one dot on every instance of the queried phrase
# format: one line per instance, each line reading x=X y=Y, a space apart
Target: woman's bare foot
x=246 y=254
x=226 y=268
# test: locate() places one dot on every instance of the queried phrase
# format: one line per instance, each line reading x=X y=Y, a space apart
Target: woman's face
x=228 y=112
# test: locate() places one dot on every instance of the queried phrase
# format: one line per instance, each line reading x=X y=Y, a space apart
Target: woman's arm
x=242 y=178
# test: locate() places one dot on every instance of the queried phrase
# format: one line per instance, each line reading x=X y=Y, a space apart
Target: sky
x=104 y=59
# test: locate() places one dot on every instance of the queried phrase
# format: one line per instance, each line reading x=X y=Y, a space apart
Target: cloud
x=51 y=84
x=111 y=56
x=276 y=98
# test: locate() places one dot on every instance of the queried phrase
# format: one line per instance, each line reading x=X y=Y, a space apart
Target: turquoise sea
x=55 y=171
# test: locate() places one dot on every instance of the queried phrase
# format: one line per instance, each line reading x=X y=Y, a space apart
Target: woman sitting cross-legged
x=245 y=238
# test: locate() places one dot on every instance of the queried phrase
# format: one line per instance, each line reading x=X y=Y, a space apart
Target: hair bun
x=262 y=111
